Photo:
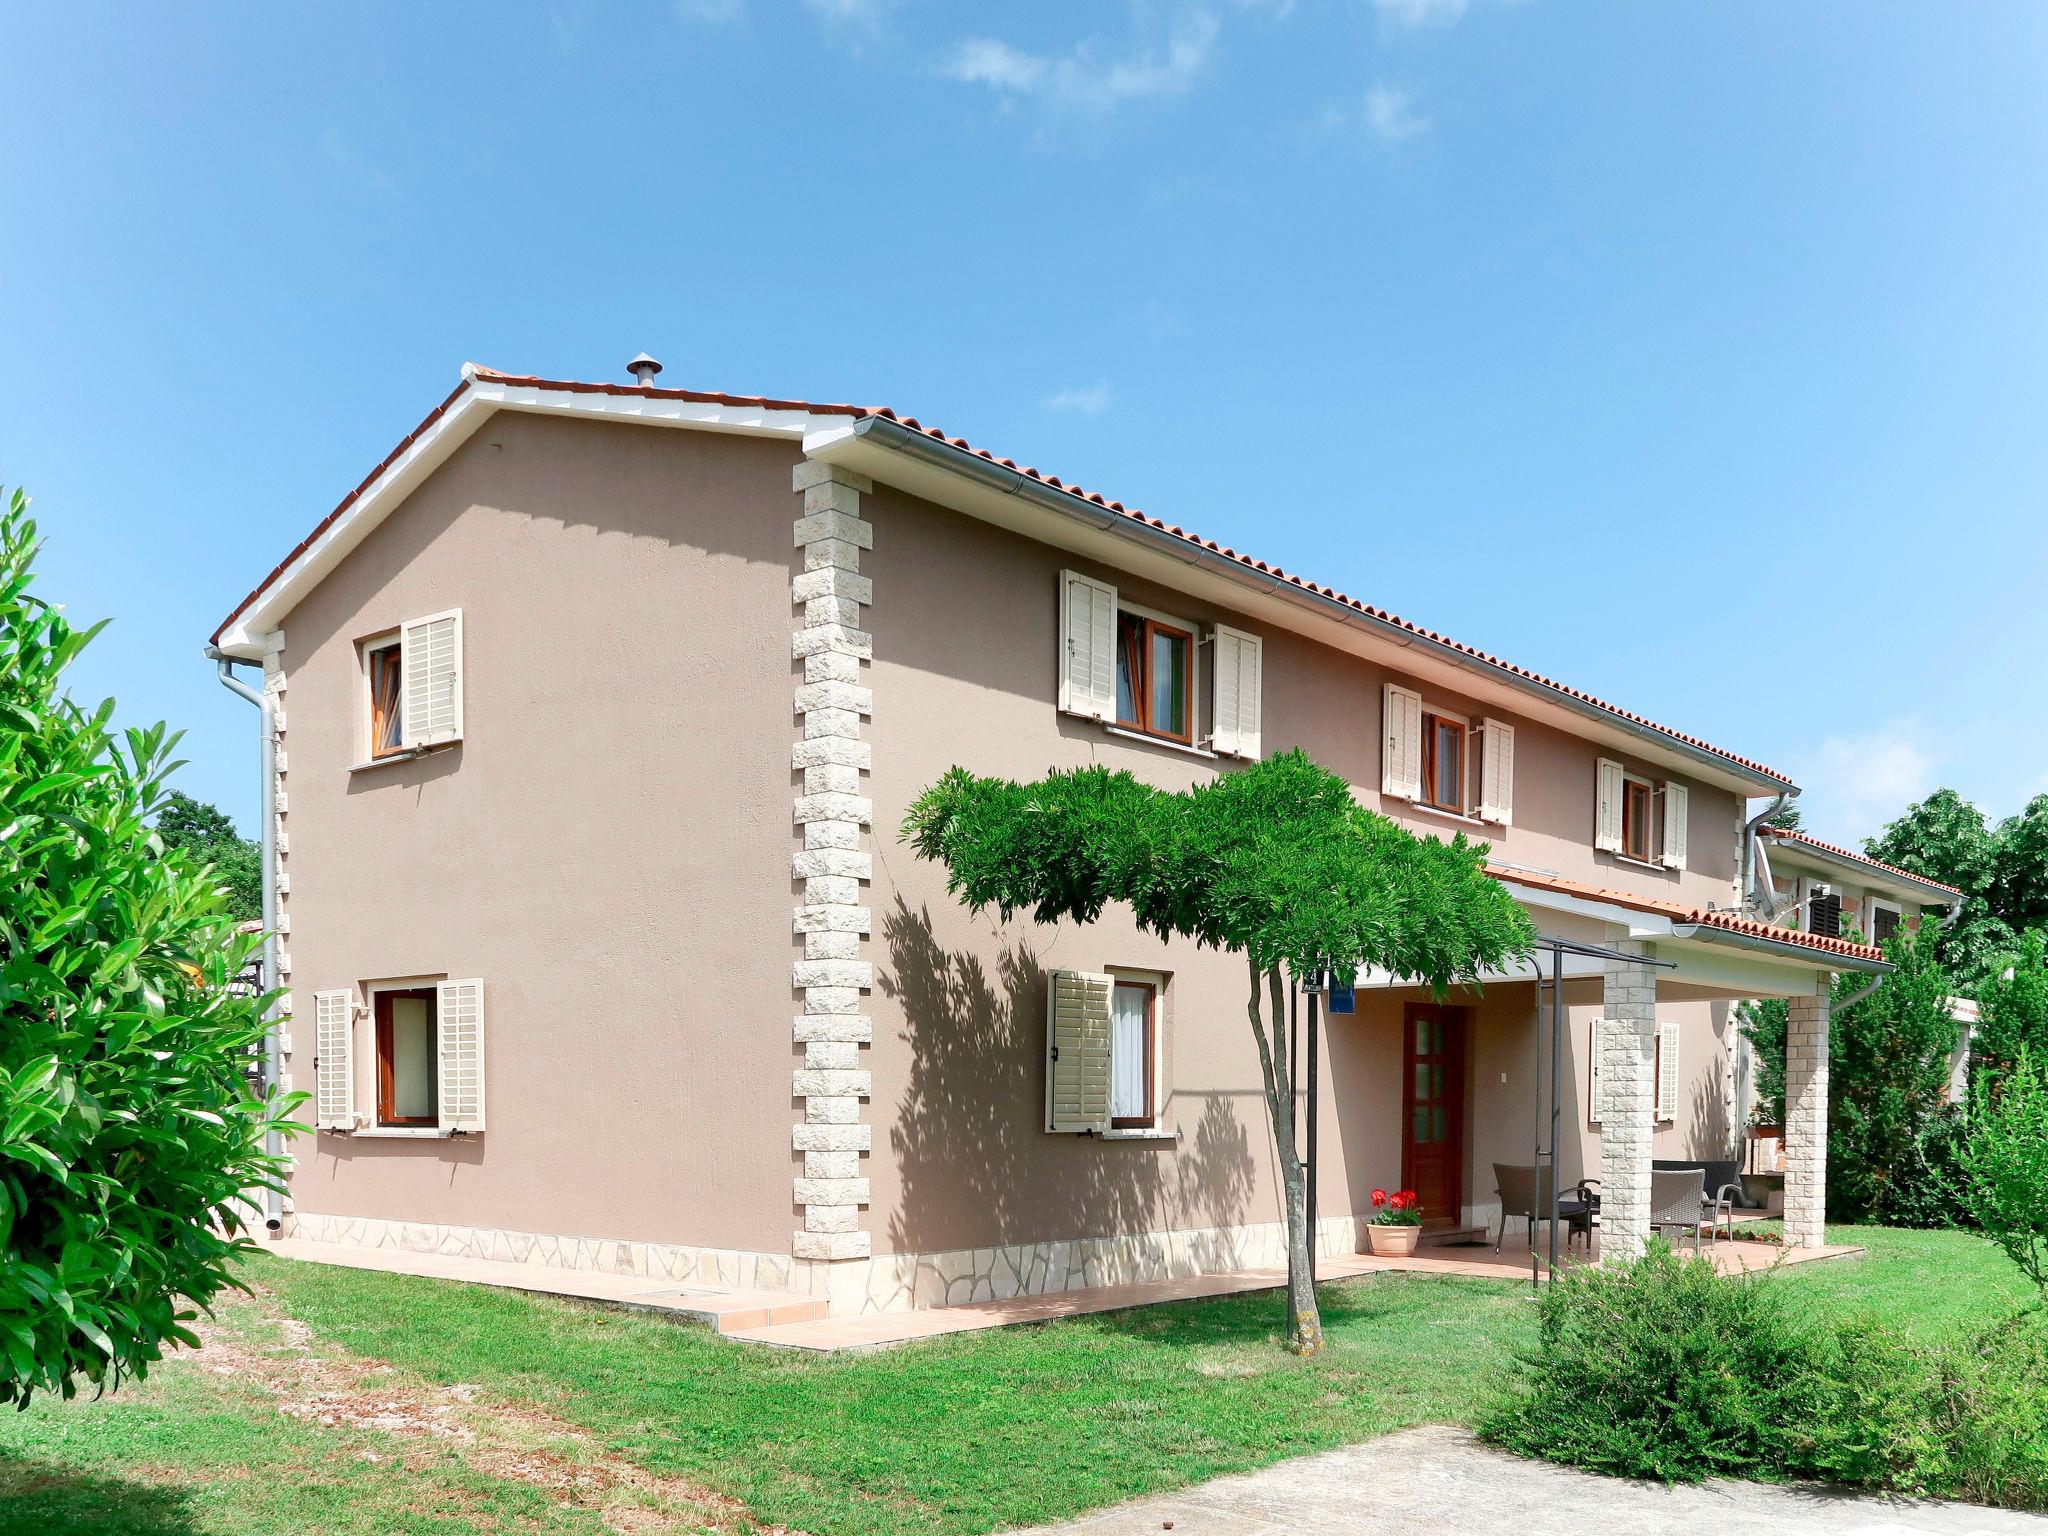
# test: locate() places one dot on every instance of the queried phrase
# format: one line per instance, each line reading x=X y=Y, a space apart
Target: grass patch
x=944 y=1438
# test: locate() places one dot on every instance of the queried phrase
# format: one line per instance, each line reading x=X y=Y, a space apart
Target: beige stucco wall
x=606 y=847
x=965 y=622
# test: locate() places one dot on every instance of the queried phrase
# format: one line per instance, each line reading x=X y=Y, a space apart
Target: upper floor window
x=1885 y=920
x=1442 y=761
x=1639 y=818
x=1142 y=671
x=412 y=686
x=1155 y=676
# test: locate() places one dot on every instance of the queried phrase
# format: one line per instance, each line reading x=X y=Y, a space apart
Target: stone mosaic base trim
x=727 y=1268
x=893 y=1282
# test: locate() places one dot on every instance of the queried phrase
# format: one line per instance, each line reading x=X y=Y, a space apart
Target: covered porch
x=1616 y=1050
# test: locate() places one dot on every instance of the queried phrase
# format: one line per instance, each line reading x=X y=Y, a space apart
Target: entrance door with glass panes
x=1433 y=1112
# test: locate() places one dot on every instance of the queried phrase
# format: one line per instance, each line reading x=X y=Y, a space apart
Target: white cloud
x=1852 y=785
x=1083 y=399
x=1390 y=114
x=1420 y=13
x=1089 y=78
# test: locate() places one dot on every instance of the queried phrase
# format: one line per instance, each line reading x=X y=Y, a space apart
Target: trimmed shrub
x=1663 y=1369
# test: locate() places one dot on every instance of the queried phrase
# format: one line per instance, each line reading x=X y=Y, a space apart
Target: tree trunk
x=1304 y=1322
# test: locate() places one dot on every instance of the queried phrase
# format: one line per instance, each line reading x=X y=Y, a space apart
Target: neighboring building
x=598 y=708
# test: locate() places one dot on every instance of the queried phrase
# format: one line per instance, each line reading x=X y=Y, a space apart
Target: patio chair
x=1724 y=1178
x=1678 y=1199
x=1516 y=1185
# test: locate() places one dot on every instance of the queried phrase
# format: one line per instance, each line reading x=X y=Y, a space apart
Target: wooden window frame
x=1150 y=1119
x=1650 y=850
x=1431 y=721
x=1148 y=625
x=380 y=651
x=1880 y=904
x=381 y=1038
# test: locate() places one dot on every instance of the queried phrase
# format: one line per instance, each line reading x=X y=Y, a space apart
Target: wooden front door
x=1433 y=1112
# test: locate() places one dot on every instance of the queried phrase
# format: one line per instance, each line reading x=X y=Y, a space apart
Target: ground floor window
x=1134 y=1055
x=408 y=1039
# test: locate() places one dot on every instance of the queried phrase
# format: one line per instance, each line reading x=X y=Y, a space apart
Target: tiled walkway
x=802 y=1322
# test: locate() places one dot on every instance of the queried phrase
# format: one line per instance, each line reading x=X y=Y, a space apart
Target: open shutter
x=1088 y=647
x=334 y=1026
x=1235 y=722
x=1497 y=772
x=1077 y=1051
x=1593 y=1074
x=1401 y=761
x=1607 y=813
x=1667 y=1072
x=460 y=1022
x=430 y=660
x=1676 y=797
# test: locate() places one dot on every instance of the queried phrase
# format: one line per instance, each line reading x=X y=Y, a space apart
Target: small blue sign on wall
x=1343 y=998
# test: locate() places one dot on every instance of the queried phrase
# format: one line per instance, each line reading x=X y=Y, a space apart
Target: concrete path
x=1444 y=1483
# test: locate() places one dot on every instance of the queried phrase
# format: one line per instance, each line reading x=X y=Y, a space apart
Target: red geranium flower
x=1379 y=1198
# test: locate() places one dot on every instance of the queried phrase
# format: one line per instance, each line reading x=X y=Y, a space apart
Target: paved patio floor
x=1444 y=1482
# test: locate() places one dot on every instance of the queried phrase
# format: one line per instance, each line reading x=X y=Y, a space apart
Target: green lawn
x=639 y=1424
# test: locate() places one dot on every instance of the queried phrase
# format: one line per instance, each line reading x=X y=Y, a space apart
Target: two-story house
x=595 y=709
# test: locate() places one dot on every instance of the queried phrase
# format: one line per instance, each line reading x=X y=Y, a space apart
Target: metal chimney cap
x=644 y=368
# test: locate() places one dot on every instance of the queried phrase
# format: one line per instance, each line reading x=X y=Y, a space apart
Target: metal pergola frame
x=1558 y=948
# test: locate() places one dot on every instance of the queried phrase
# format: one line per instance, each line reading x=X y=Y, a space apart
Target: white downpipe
x=273 y=1142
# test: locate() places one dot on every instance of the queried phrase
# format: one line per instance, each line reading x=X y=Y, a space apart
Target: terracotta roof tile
x=1859 y=858
x=1678 y=911
x=1094 y=498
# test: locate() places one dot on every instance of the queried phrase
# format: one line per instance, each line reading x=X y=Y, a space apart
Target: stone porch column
x=1628 y=1056
x=833 y=862
x=1806 y=1117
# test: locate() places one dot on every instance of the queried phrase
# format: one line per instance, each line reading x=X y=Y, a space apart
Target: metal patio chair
x=1516 y=1185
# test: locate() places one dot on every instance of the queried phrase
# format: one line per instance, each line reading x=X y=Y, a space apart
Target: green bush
x=2005 y=1166
x=1663 y=1369
x=128 y=1126
x=1666 y=1369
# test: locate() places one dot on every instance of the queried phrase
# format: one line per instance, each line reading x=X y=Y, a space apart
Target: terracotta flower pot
x=1392 y=1242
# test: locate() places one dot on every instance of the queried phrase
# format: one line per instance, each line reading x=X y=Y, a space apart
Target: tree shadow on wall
x=977 y=1164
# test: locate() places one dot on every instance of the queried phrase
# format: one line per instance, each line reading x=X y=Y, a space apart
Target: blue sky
x=1693 y=355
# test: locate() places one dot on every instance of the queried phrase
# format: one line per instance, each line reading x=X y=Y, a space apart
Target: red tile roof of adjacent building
x=1093 y=498
x=1858 y=858
x=1678 y=911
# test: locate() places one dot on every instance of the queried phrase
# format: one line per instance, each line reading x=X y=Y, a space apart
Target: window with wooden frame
x=1443 y=763
x=1885 y=920
x=384 y=673
x=1638 y=813
x=1155 y=676
x=408 y=1057
x=1134 y=1055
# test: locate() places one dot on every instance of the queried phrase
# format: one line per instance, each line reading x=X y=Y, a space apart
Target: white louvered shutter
x=460 y=1023
x=1239 y=683
x=334 y=1026
x=1087 y=647
x=1077 y=1034
x=430 y=664
x=1667 y=1071
x=1401 y=760
x=1676 y=797
x=1594 y=1076
x=1607 y=812
x=1497 y=772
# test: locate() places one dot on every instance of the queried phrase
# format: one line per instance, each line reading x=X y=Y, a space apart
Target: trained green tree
x=129 y=1126
x=205 y=831
x=1275 y=862
x=2005 y=1166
